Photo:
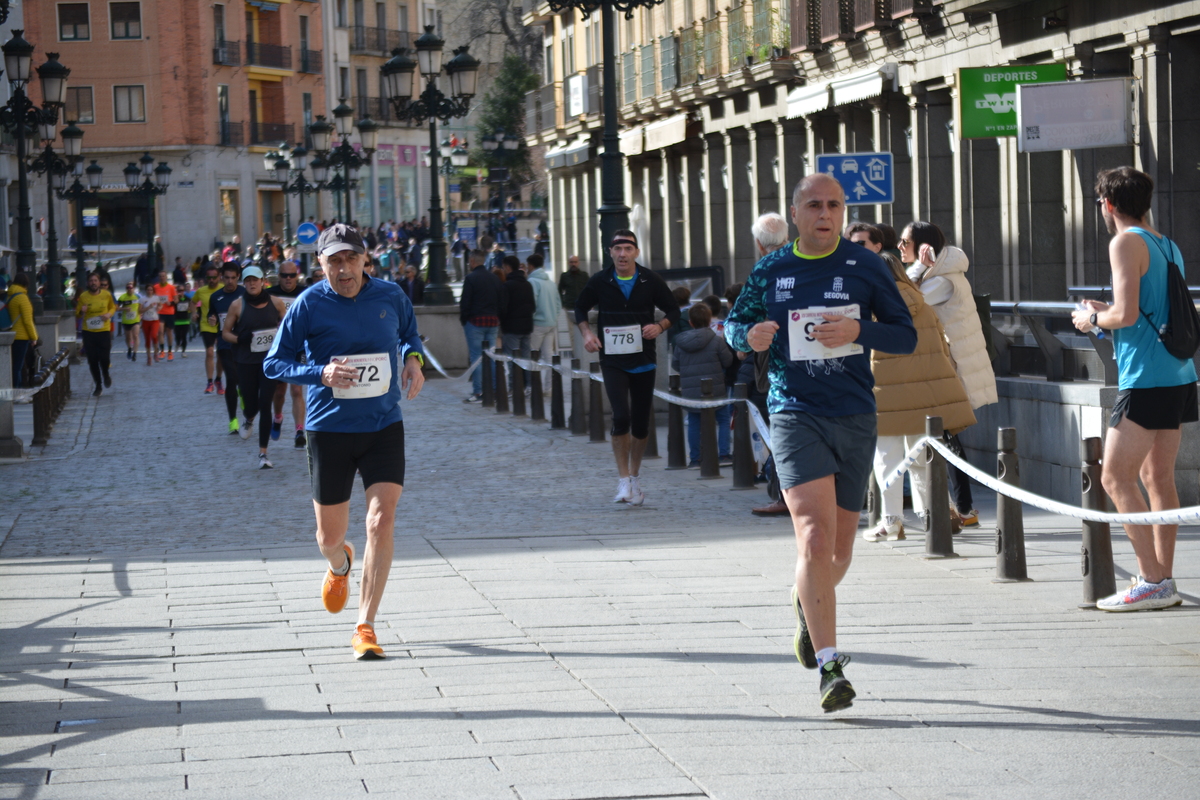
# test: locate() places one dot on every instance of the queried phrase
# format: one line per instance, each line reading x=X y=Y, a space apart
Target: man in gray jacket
x=549 y=307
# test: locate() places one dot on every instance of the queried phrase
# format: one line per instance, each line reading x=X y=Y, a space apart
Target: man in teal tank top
x=1157 y=391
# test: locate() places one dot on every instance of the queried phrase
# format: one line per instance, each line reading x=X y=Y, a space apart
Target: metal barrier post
x=578 y=422
x=939 y=542
x=710 y=466
x=651 y=435
x=518 y=389
x=1010 y=522
x=596 y=415
x=537 y=405
x=557 y=409
x=743 y=450
x=488 y=375
x=501 y=389
x=1099 y=578
x=42 y=413
x=676 y=457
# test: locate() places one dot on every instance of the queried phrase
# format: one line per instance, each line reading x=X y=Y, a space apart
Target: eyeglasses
x=859 y=242
x=905 y=242
x=289 y=274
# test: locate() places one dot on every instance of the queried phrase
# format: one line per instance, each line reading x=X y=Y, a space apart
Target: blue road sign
x=307 y=233
x=866 y=177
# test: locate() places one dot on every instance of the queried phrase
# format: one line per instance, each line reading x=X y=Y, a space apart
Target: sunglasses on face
x=905 y=242
x=289 y=274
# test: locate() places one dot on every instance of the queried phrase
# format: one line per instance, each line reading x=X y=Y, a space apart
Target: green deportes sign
x=988 y=97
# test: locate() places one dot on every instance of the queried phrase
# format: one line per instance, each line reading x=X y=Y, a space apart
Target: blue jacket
x=782 y=282
x=322 y=324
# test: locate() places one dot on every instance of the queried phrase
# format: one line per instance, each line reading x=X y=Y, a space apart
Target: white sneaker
x=1142 y=596
x=636 y=498
x=264 y=462
x=247 y=429
x=622 y=495
x=891 y=529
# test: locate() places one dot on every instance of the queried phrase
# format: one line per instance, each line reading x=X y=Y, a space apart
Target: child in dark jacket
x=700 y=353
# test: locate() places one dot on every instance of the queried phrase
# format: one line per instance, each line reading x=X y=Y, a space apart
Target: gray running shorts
x=808 y=447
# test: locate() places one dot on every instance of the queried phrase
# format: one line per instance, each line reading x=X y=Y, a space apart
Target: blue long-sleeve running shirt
x=324 y=325
x=790 y=289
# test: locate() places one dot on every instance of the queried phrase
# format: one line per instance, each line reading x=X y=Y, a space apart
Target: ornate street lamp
x=284 y=165
x=77 y=193
x=614 y=214
x=400 y=84
x=55 y=169
x=148 y=181
x=19 y=116
x=344 y=157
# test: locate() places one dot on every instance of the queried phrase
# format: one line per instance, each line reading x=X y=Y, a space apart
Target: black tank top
x=254 y=319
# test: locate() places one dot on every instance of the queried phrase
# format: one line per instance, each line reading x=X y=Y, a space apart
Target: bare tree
x=482 y=19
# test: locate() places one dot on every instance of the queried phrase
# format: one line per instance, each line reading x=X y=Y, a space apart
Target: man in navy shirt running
x=819 y=306
x=359 y=338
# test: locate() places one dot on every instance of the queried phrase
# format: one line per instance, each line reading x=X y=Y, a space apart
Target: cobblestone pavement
x=162 y=635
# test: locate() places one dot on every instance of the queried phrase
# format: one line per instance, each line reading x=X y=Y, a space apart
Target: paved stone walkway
x=162 y=635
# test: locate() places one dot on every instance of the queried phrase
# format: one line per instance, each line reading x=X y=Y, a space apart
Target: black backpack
x=1180 y=334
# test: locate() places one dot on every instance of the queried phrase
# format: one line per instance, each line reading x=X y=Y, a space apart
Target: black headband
x=623 y=240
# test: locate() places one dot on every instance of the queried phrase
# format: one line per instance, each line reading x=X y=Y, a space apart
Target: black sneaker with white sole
x=836 y=691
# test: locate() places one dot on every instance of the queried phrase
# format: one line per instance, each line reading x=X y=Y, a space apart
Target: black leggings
x=229 y=368
x=181 y=337
x=631 y=395
x=258 y=393
x=98 y=345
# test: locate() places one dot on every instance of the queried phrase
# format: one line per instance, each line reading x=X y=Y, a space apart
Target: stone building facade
x=723 y=107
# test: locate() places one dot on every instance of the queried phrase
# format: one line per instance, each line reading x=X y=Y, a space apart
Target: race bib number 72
x=374 y=376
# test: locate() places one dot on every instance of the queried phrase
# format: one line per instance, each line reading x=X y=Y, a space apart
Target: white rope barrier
x=1175 y=516
x=25 y=395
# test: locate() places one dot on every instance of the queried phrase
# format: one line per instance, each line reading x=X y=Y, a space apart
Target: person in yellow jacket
x=96 y=307
x=21 y=312
x=130 y=315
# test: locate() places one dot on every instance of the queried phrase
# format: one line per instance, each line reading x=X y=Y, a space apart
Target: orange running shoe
x=364 y=643
x=336 y=588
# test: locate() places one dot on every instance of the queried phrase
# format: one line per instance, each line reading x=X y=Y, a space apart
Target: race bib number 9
x=374 y=376
x=221 y=322
x=95 y=324
x=622 y=340
x=803 y=347
x=260 y=341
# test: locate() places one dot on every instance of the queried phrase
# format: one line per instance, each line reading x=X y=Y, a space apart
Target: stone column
x=1152 y=120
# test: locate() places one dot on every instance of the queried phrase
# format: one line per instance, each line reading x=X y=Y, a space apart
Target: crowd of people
x=850 y=336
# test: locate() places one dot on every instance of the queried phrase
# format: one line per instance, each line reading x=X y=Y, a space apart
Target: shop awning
x=863 y=85
x=632 y=141
x=569 y=154
x=666 y=132
x=808 y=99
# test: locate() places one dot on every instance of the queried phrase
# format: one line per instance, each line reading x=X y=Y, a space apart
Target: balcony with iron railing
x=227 y=54
x=271 y=132
x=378 y=41
x=814 y=25
x=230 y=134
x=738 y=35
x=712 y=48
x=668 y=60
x=377 y=108
x=770 y=34
x=311 y=61
x=549 y=100
x=648 y=74
x=276 y=56
x=629 y=85
x=689 y=56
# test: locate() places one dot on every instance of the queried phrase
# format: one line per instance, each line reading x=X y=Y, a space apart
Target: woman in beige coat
x=940 y=270
x=907 y=389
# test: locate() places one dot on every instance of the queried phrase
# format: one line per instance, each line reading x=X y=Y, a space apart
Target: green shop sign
x=988 y=97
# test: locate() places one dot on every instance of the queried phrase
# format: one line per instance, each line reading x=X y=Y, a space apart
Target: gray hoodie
x=545 y=294
x=701 y=354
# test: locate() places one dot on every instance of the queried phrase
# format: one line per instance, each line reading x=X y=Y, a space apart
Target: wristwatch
x=1092 y=319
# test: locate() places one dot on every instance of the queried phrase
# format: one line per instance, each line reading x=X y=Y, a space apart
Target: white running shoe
x=622 y=495
x=1142 y=596
x=636 y=498
x=891 y=529
x=247 y=429
x=264 y=462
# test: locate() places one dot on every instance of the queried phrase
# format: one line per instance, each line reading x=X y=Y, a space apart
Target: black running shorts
x=210 y=339
x=1158 y=409
x=334 y=457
